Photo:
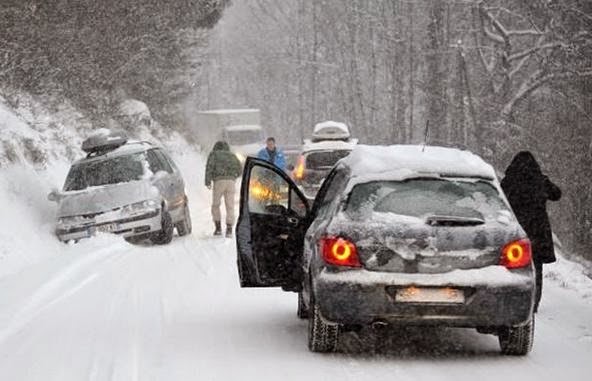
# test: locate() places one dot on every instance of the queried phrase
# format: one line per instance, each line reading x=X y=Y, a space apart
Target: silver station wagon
x=398 y=235
x=129 y=188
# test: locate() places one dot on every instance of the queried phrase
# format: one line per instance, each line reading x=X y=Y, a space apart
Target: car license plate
x=429 y=295
x=107 y=228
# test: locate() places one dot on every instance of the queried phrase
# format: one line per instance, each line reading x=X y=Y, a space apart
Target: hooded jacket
x=222 y=164
x=528 y=190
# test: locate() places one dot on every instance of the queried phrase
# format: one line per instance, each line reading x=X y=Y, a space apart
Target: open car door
x=272 y=220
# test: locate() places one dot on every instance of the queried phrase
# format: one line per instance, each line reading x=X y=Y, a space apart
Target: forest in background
x=96 y=53
x=493 y=76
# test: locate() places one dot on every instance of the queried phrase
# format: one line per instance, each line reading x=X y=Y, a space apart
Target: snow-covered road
x=107 y=310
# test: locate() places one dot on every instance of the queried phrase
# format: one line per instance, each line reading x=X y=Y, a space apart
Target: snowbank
x=28 y=219
x=570 y=276
x=37 y=133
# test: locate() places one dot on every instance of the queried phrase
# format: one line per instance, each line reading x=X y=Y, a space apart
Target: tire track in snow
x=56 y=289
x=132 y=332
x=104 y=359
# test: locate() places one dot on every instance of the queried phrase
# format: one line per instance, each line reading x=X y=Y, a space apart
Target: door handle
x=293 y=220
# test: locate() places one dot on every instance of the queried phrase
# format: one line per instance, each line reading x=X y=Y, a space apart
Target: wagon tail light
x=516 y=254
x=299 y=170
x=339 y=252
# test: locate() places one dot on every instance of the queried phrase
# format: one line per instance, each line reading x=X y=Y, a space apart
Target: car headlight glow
x=74 y=220
x=142 y=206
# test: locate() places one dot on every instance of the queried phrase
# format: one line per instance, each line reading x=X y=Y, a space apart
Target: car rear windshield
x=116 y=170
x=424 y=197
x=324 y=159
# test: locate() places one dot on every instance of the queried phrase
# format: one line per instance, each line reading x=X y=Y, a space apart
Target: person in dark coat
x=528 y=190
x=222 y=169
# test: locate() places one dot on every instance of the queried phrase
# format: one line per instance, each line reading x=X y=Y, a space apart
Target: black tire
x=322 y=336
x=134 y=240
x=165 y=235
x=302 y=311
x=517 y=341
x=184 y=227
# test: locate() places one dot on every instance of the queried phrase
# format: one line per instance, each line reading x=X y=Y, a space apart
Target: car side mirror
x=55 y=195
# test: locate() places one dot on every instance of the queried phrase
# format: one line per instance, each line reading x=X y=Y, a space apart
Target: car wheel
x=517 y=341
x=165 y=235
x=184 y=227
x=302 y=312
x=322 y=336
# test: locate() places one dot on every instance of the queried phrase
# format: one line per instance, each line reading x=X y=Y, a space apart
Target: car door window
x=164 y=162
x=168 y=160
x=268 y=192
x=153 y=162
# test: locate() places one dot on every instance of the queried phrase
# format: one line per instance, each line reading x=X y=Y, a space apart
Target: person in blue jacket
x=272 y=154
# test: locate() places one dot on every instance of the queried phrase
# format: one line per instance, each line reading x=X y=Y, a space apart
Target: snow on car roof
x=229 y=111
x=243 y=127
x=332 y=124
x=406 y=160
x=329 y=145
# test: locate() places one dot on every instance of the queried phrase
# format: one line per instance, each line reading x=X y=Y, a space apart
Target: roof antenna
x=426 y=135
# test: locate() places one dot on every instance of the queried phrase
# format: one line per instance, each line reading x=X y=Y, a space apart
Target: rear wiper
x=453 y=221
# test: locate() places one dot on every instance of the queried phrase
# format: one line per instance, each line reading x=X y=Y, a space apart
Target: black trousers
x=538 y=269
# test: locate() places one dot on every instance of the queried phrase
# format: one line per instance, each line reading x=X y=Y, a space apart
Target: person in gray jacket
x=222 y=169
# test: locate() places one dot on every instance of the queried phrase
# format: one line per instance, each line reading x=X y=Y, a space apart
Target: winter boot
x=218 y=230
x=228 y=231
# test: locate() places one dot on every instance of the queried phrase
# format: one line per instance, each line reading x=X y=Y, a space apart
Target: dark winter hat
x=221 y=145
x=523 y=163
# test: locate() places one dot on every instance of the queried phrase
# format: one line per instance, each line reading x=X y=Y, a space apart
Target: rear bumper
x=133 y=226
x=494 y=296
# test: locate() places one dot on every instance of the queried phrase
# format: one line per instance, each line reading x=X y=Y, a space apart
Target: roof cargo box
x=103 y=141
x=330 y=131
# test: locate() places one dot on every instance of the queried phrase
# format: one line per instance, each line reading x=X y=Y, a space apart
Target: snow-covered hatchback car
x=396 y=235
x=132 y=189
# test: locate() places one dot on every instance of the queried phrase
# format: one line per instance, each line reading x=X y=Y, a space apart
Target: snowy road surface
x=107 y=310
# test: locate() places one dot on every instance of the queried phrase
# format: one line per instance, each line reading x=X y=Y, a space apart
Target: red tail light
x=340 y=252
x=516 y=254
x=299 y=170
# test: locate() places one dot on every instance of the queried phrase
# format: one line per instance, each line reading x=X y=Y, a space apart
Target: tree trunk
x=436 y=76
x=411 y=95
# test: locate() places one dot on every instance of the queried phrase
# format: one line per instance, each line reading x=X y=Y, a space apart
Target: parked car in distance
x=398 y=235
x=330 y=142
x=129 y=188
